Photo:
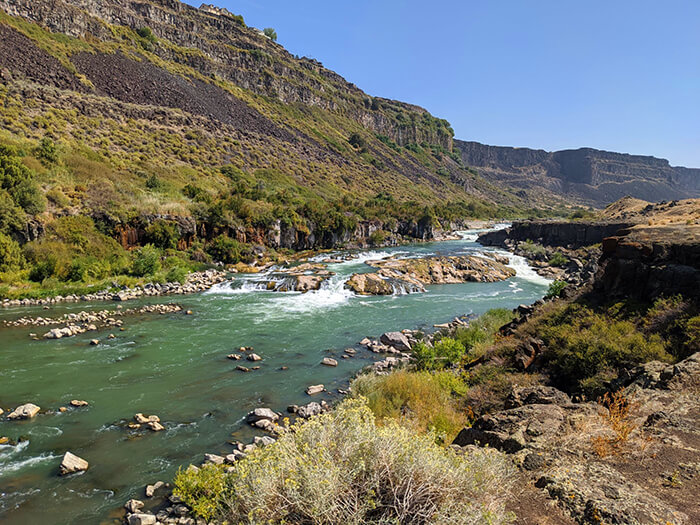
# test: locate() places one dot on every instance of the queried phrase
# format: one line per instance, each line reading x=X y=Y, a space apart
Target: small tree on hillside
x=270 y=33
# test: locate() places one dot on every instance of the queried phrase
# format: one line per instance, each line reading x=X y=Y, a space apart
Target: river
x=175 y=366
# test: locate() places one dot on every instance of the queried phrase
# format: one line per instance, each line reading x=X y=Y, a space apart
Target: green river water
x=175 y=366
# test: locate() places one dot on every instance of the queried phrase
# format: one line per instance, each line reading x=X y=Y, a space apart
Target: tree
x=270 y=33
x=11 y=258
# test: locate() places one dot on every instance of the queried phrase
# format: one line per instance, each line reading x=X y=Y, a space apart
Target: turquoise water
x=175 y=366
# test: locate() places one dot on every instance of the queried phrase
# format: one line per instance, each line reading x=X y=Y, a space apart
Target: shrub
x=47 y=151
x=558 y=259
x=227 y=250
x=12 y=217
x=270 y=33
x=357 y=142
x=481 y=331
x=146 y=261
x=154 y=183
x=585 y=348
x=11 y=258
x=176 y=274
x=421 y=400
x=555 y=289
x=341 y=467
x=532 y=249
x=443 y=353
x=378 y=238
x=163 y=234
x=147 y=34
x=18 y=181
x=43 y=269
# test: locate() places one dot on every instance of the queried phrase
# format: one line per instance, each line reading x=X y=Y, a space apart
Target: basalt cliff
x=588 y=176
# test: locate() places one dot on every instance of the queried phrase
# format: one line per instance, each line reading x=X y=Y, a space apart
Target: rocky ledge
x=196 y=282
x=411 y=275
x=632 y=461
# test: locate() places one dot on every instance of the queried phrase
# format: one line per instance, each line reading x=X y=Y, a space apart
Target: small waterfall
x=401 y=287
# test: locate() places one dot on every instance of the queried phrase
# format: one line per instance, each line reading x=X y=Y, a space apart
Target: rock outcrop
x=602 y=467
x=412 y=275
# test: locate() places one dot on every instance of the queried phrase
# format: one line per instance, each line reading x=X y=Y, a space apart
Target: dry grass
x=619 y=421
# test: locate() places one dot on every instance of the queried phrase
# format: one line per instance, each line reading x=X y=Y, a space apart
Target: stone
x=72 y=463
x=235 y=357
x=396 y=340
x=140 y=418
x=4 y=440
x=263 y=441
x=253 y=357
x=151 y=489
x=260 y=414
x=133 y=505
x=536 y=395
x=94 y=342
x=366 y=341
x=314 y=389
x=142 y=519
x=214 y=459
x=309 y=410
x=78 y=403
x=62 y=409
x=329 y=361
x=155 y=426
x=243 y=368
x=26 y=411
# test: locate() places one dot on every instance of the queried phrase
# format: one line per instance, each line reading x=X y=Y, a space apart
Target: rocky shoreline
x=195 y=282
x=161 y=506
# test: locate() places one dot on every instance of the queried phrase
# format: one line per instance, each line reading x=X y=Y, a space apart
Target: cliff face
x=588 y=176
x=218 y=45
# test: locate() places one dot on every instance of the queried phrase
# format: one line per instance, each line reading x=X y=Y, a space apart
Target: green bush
x=146 y=261
x=227 y=250
x=176 y=274
x=147 y=34
x=558 y=259
x=163 y=234
x=270 y=33
x=18 y=181
x=11 y=258
x=421 y=400
x=442 y=354
x=481 y=331
x=555 y=289
x=12 y=217
x=47 y=151
x=532 y=249
x=378 y=238
x=43 y=269
x=341 y=467
x=586 y=349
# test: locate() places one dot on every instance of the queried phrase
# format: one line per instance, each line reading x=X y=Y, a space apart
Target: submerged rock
x=72 y=463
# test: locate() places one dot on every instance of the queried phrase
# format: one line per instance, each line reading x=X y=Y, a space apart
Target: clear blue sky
x=622 y=75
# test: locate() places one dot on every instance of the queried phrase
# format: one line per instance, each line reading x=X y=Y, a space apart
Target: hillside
x=156 y=106
x=588 y=176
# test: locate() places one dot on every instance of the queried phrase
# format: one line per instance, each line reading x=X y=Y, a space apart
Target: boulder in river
x=254 y=357
x=261 y=413
x=72 y=463
x=141 y=518
x=329 y=361
x=151 y=489
x=78 y=403
x=396 y=340
x=314 y=389
x=141 y=419
x=26 y=411
x=133 y=505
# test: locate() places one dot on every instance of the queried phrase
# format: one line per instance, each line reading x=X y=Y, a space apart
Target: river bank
x=176 y=366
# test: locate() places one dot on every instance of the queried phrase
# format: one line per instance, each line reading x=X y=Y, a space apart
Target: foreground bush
x=422 y=400
x=342 y=468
